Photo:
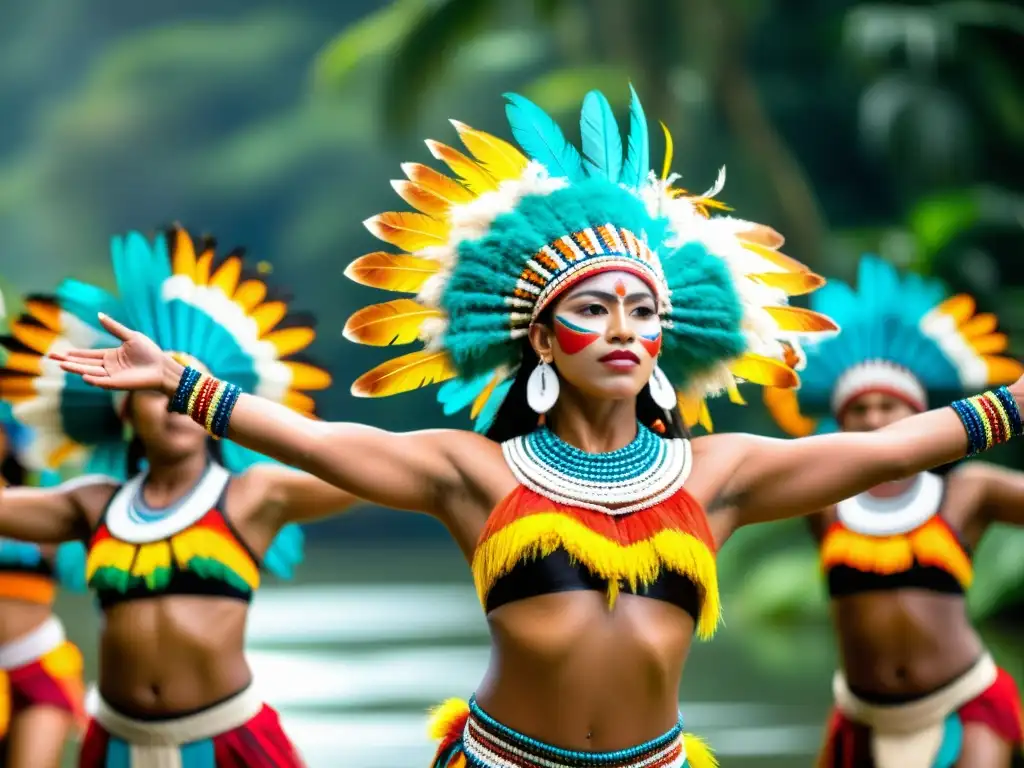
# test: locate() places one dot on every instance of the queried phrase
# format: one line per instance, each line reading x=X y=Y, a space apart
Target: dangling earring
x=662 y=392
x=542 y=388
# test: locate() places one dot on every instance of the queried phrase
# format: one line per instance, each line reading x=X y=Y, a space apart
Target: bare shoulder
x=91 y=494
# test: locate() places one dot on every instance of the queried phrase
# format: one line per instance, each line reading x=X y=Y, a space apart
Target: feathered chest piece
x=640 y=475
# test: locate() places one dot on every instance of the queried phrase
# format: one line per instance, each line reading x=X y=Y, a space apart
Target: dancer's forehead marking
x=620 y=288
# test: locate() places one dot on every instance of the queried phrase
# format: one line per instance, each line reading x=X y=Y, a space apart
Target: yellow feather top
x=393 y=322
x=405 y=373
x=397 y=272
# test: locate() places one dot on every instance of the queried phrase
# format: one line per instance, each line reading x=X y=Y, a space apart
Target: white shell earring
x=662 y=392
x=542 y=388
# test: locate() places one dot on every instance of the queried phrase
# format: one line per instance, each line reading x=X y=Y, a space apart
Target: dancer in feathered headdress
x=175 y=553
x=41 y=685
x=898 y=557
x=584 y=289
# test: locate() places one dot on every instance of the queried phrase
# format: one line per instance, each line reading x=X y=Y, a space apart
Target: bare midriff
x=170 y=656
x=567 y=670
x=19 y=618
x=903 y=644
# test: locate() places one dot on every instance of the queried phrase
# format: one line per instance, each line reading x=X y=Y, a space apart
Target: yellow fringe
x=5 y=703
x=698 y=754
x=637 y=564
x=443 y=716
x=199 y=542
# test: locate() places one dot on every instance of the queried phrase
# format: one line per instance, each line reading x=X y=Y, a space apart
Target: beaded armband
x=989 y=419
x=206 y=400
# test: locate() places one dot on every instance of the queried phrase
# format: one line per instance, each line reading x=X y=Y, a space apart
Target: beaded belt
x=487 y=743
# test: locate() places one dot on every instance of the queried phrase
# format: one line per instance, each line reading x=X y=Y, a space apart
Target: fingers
x=115 y=327
x=84 y=370
x=79 y=354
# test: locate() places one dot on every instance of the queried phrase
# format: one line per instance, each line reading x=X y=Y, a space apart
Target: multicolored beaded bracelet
x=989 y=419
x=206 y=400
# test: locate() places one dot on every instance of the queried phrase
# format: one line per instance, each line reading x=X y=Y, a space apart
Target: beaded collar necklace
x=877 y=516
x=640 y=475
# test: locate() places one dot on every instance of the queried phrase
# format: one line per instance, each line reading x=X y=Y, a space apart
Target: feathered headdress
x=900 y=336
x=213 y=312
x=488 y=250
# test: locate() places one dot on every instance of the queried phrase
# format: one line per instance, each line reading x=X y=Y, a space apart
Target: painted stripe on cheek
x=652 y=344
x=572 y=339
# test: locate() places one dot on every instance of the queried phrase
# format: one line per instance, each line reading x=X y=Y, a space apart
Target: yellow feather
x=405 y=373
x=735 y=396
x=305 y=376
x=421 y=198
x=250 y=294
x=408 y=231
x=203 y=264
x=959 y=307
x=790 y=283
x=774 y=257
x=499 y=157
x=46 y=312
x=695 y=411
x=800 y=320
x=471 y=173
x=393 y=322
x=227 y=275
x=32 y=336
x=268 y=315
x=992 y=344
x=481 y=399
x=392 y=271
x=667 y=166
x=299 y=401
x=784 y=407
x=760 y=234
x=764 y=371
x=288 y=341
x=22 y=362
x=979 y=325
x=17 y=388
x=1003 y=370
x=183 y=258
x=437 y=183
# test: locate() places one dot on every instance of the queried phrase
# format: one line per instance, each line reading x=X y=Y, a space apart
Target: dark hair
x=515 y=417
x=12 y=471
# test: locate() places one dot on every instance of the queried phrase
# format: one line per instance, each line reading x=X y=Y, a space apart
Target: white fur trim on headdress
x=878 y=375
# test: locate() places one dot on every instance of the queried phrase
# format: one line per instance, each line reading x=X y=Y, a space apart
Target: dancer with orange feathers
x=568 y=299
x=917 y=688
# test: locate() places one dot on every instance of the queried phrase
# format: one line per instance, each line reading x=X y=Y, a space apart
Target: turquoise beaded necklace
x=641 y=474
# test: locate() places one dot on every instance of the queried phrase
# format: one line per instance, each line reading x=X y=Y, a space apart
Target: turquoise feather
x=602 y=142
x=69 y=566
x=285 y=552
x=541 y=138
x=638 y=149
x=457 y=394
x=490 y=410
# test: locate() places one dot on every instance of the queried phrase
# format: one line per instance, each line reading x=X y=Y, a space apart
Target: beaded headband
x=488 y=250
x=902 y=336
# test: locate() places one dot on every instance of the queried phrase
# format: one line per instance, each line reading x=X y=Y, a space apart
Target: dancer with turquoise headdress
x=917 y=688
x=178 y=527
x=41 y=686
x=568 y=299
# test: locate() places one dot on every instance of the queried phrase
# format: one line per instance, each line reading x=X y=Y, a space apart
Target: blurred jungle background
x=850 y=127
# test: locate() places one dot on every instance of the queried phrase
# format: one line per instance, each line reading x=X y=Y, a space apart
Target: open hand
x=137 y=364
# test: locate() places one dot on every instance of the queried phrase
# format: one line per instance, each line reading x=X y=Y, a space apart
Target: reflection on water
x=354 y=654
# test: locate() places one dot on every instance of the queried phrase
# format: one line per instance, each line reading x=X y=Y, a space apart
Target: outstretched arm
x=785 y=478
x=414 y=471
x=1000 y=490
x=51 y=515
x=290 y=496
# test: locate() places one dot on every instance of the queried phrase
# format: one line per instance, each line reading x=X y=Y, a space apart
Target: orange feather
x=471 y=173
x=483 y=397
x=288 y=341
x=408 y=231
x=772 y=256
x=959 y=307
x=1003 y=370
x=227 y=275
x=203 y=265
x=695 y=411
x=392 y=271
x=992 y=344
x=22 y=362
x=405 y=373
x=299 y=401
x=979 y=325
x=762 y=235
x=791 y=283
x=784 y=407
x=765 y=371
x=268 y=315
x=250 y=294
x=33 y=337
x=800 y=320
x=183 y=257
x=499 y=157
x=305 y=376
x=46 y=312
x=437 y=183
x=393 y=322
x=421 y=198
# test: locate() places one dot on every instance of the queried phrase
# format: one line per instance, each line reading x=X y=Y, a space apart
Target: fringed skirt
x=469 y=738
